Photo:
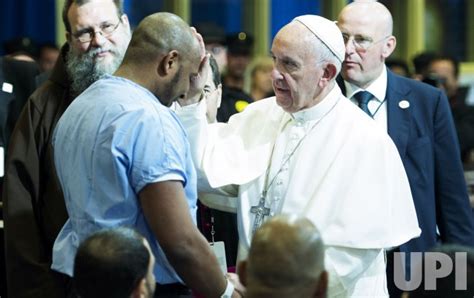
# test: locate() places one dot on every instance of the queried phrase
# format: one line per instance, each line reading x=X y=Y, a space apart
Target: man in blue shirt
x=123 y=159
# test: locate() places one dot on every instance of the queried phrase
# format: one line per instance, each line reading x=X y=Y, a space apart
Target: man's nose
x=276 y=75
x=98 y=39
x=350 y=47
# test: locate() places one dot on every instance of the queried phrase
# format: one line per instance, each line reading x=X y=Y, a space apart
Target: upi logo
x=428 y=268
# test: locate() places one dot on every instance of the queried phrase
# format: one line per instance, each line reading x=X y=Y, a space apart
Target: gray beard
x=84 y=70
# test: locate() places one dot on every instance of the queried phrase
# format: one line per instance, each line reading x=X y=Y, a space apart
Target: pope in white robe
x=310 y=151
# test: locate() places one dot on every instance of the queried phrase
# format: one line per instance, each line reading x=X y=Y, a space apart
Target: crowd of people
x=131 y=158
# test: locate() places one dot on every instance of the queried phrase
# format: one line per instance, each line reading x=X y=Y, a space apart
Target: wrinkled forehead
x=92 y=13
x=291 y=36
x=360 y=19
x=361 y=26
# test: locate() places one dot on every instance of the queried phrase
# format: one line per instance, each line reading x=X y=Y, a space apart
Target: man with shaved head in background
x=309 y=151
x=418 y=119
x=123 y=159
x=286 y=260
x=97 y=33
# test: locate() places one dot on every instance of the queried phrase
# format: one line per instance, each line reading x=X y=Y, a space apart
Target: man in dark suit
x=17 y=82
x=418 y=119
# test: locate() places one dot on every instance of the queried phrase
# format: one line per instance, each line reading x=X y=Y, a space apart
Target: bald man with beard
x=97 y=33
x=123 y=159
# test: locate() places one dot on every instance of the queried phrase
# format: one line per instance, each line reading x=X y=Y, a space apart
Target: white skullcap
x=326 y=31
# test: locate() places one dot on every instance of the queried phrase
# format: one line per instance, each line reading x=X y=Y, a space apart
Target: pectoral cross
x=260 y=212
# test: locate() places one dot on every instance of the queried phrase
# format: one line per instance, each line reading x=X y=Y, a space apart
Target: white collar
x=378 y=88
x=317 y=111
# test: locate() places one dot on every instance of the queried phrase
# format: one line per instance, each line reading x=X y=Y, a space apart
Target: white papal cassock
x=346 y=176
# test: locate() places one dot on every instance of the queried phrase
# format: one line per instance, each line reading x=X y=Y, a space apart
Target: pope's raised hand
x=197 y=81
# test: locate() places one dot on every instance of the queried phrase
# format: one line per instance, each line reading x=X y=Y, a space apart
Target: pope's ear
x=329 y=73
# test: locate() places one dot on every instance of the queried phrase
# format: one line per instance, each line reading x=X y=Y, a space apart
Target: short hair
x=110 y=263
x=286 y=257
x=68 y=3
x=454 y=61
x=422 y=61
x=391 y=62
x=160 y=33
x=216 y=75
x=445 y=287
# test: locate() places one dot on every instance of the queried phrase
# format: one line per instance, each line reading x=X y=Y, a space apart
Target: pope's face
x=296 y=71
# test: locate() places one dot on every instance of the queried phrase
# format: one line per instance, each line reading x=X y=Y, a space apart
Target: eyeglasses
x=207 y=90
x=361 y=42
x=87 y=35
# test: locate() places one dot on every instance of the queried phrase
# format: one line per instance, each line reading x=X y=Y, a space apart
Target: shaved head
x=286 y=257
x=367 y=28
x=161 y=33
x=163 y=56
x=370 y=11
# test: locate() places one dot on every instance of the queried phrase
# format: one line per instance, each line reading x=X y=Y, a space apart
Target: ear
x=141 y=290
x=389 y=46
x=124 y=19
x=242 y=272
x=321 y=286
x=329 y=74
x=168 y=64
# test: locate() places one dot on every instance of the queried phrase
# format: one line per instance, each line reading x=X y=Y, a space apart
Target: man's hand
x=239 y=289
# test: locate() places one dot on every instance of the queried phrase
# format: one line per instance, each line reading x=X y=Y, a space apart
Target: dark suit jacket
x=21 y=75
x=426 y=139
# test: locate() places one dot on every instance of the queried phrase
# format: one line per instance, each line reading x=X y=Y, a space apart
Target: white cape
x=347 y=176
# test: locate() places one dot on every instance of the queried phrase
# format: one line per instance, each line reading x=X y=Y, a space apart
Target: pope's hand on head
x=196 y=84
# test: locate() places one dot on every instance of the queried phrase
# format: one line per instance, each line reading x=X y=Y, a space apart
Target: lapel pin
x=7 y=87
x=404 y=104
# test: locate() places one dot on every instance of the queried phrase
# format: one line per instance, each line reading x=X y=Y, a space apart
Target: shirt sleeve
x=356 y=272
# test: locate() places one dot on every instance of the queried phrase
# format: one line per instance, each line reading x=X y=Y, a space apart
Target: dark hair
x=398 y=63
x=449 y=58
x=110 y=263
x=422 y=61
x=68 y=3
x=216 y=76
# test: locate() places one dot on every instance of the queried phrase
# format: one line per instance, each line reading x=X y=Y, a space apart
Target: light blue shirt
x=114 y=139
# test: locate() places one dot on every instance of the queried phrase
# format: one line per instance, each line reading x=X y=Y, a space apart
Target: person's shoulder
x=48 y=96
x=412 y=85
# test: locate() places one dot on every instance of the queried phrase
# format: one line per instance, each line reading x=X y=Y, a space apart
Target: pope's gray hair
x=324 y=54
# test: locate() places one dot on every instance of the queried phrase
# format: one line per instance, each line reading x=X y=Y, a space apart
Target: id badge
x=219 y=251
